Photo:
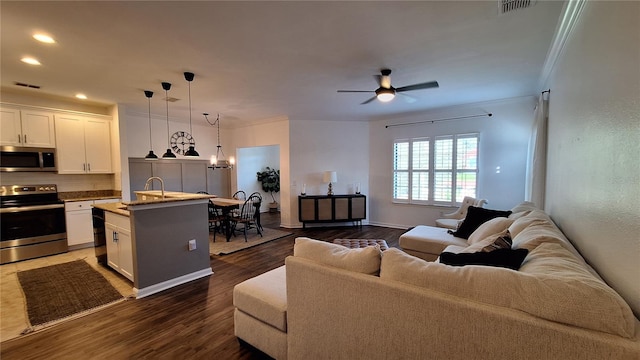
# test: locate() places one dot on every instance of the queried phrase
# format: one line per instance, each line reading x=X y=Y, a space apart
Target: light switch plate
x=192 y=244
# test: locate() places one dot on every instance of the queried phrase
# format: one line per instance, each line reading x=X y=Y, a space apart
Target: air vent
x=170 y=99
x=27 y=85
x=506 y=6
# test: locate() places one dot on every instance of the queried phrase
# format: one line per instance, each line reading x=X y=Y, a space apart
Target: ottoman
x=260 y=316
x=359 y=243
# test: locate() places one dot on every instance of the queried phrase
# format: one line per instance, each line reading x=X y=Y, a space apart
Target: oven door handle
x=30 y=208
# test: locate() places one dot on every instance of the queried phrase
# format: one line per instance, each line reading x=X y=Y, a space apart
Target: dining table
x=227 y=205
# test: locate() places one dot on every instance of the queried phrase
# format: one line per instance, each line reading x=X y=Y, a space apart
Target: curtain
x=537 y=155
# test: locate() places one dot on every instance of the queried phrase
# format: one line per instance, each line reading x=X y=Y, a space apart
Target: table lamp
x=330 y=177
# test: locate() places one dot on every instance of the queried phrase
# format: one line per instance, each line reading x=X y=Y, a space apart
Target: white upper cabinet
x=30 y=128
x=84 y=144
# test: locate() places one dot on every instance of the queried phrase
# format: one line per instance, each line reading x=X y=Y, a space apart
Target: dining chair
x=258 y=206
x=247 y=216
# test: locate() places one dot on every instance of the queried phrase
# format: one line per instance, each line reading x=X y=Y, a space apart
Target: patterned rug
x=237 y=243
x=64 y=291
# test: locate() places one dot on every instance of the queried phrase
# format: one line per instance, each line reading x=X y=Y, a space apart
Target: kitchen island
x=158 y=243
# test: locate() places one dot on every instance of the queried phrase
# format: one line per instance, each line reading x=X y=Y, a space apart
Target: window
x=442 y=171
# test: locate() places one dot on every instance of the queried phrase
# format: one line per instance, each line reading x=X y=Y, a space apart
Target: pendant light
x=150 y=155
x=192 y=148
x=218 y=161
x=168 y=155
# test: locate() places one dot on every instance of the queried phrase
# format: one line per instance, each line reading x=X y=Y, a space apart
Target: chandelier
x=218 y=161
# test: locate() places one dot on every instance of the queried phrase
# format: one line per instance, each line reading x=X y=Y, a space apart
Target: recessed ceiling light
x=44 y=38
x=30 y=61
x=81 y=96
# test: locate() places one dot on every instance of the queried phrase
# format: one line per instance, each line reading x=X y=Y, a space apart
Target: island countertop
x=154 y=197
x=116 y=208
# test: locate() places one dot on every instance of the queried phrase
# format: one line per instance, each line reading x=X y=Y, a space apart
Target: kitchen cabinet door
x=84 y=145
x=97 y=138
x=10 y=127
x=30 y=128
x=70 y=140
x=119 y=244
x=38 y=129
x=79 y=222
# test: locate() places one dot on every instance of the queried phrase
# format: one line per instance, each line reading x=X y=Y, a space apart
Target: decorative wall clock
x=180 y=142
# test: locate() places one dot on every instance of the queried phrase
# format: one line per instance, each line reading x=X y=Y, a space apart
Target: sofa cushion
x=493 y=226
x=264 y=297
x=550 y=285
x=477 y=216
x=522 y=209
x=363 y=260
x=506 y=258
x=429 y=240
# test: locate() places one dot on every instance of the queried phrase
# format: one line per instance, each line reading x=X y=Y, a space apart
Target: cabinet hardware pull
x=19 y=139
x=84 y=167
x=25 y=138
x=88 y=166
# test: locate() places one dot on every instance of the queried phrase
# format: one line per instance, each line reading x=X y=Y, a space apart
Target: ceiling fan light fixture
x=385 y=95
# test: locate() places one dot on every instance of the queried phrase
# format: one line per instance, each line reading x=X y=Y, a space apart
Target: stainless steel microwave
x=14 y=158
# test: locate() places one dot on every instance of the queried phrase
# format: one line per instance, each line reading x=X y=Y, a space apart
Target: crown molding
x=569 y=17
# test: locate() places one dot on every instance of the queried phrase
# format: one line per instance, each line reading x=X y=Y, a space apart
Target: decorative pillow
x=477 y=216
x=364 y=260
x=500 y=240
x=507 y=258
x=493 y=226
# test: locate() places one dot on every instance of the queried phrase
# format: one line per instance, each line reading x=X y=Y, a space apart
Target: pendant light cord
x=166 y=98
x=150 y=137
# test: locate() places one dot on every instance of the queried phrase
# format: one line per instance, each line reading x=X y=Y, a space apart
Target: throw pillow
x=364 y=260
x=493 y=226
x=477 y=216
x=507 y=258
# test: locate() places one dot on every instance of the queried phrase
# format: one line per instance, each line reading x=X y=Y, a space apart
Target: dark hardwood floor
x=191 y=321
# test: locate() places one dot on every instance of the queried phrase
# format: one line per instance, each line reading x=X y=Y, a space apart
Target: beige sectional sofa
x=330 y=302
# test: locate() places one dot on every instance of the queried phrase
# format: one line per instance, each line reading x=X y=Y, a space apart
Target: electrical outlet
x=192 y=244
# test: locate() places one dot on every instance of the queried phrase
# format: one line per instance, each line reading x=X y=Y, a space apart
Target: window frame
x=432 y=170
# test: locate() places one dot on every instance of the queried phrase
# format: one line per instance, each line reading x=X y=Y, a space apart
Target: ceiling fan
x=386 y=92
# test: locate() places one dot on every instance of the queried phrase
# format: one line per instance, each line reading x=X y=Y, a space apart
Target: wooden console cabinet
x=334 y=208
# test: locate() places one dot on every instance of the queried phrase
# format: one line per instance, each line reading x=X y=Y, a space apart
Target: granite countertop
x=69 y=196
x=116 y=208
x=168 y=199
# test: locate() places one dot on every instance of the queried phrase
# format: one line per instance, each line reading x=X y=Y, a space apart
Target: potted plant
x=270 y=179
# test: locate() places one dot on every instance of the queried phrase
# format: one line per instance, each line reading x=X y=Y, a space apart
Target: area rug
x=237 y=243
x=64 y=291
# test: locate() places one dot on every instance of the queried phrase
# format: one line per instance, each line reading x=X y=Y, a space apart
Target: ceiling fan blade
x=355 y=91
x=368 y=101
x=408 y=99
x=427 y=85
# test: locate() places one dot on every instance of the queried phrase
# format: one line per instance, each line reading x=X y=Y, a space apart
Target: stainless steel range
x=32 y=222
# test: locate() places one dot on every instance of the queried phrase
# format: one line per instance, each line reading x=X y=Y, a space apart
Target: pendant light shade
x=150 y=155
x=192 y=148
x=168 y=155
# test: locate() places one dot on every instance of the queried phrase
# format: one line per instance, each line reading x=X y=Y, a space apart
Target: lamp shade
x=330 y=177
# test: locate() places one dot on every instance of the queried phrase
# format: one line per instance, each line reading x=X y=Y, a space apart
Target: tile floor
x=13 y=319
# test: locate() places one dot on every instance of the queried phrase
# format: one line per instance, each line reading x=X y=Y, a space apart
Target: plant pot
x=273 y=207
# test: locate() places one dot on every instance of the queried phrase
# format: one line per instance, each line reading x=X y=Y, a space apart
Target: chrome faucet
x=150 y=180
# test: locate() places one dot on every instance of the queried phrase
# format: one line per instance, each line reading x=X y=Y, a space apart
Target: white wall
x=318 y=146
x=503 y=142
x=252 y=160
x=593 y=172
x=266 y=133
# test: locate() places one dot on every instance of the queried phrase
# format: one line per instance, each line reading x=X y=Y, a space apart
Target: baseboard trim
x=150 y=290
